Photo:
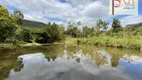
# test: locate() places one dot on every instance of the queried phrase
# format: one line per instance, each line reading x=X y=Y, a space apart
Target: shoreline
x=122 y=43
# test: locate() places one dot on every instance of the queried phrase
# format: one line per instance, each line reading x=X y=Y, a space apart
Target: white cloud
x=96 y=9
x=35 y=17
x=131 y=20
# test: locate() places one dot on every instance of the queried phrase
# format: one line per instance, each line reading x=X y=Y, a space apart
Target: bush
x=24 y=34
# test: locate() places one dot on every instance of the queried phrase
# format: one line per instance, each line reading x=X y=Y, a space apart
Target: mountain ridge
x=32 y=24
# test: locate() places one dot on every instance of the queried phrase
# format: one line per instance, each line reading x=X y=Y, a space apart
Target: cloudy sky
x=61 y=11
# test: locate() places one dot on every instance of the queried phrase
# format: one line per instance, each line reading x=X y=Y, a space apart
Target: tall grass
x=128 y=43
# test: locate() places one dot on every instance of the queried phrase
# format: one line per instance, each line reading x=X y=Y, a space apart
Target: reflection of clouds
x=133 y=59
x=32 y=58
x=132 y=65
x=39 y=68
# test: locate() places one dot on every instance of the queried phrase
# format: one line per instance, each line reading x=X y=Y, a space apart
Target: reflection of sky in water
x=37 y=67
x=131 y=65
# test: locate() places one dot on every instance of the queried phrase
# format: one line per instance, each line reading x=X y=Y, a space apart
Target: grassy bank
x=125 y=43
x=7 y=45
x=106 y=41
x=128 y=43
x=18 y=44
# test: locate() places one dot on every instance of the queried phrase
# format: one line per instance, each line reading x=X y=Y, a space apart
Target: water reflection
x=59 y=62
x=70 y=67
x=132 y=65
x=18 y=65
x=114 y=61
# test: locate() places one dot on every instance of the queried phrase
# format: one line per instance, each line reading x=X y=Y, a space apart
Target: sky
x=62 y=11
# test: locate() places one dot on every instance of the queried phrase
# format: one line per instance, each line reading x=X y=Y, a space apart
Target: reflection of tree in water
x=18 y=65
x=78 y=60
x=114 y=61
x=98 y=58
x=72 y=49
x=4 y=71
x=51 y=57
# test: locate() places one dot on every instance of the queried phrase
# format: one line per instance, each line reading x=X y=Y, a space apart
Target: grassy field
x=128 y=43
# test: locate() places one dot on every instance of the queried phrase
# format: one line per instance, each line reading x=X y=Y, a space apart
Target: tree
x=105 y=25
x=18 y=18
x=18 y=15
x=101 y=25
x=116 y=25
x=50 y=33
x=69 y=28
x=25 y=34
x=87 y=31
x=78 y=25
x=75 y=32
x=7 y=24
x=72 y=29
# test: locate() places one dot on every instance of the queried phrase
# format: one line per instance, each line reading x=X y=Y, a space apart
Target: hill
x=136 y=29
x=134 y=26
x=32 y=24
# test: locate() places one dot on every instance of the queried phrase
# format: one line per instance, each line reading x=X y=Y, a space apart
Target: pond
x=70 y=62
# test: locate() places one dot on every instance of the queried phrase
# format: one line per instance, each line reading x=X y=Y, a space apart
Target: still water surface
x=64 y=62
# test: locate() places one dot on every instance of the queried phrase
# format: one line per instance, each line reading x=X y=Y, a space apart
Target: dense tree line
x=100 y=28
x=47 y=34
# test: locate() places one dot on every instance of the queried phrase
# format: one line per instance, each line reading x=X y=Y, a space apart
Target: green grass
x=68 y=40
x=128 y=43
x=7 y=45
x=11 y=45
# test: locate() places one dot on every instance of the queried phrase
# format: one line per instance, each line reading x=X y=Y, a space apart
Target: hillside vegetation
x=135 y=29
x=32 y=24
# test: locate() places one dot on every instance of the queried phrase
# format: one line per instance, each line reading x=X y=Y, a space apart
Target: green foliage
x=48 y=34
x=116 y=26
x=116 y=29
x=100 y=24
x=88 y=31
x=113 y=33
x=73 y=30
x=128 y=43
x=134 y=29
x=24 y=34
x=51 y=33
x=18 y=13
x=18 y=16
x=7 y=24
